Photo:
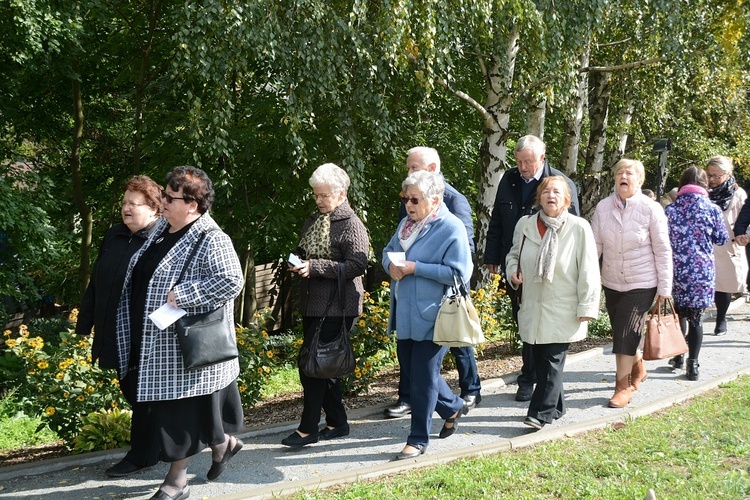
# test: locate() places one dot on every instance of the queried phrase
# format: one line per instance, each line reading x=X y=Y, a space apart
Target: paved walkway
x=266 y=469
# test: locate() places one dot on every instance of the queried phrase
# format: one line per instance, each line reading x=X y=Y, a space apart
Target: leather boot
x=677 y=362
x=691 y=371
x=637 y=375
x=623 y=393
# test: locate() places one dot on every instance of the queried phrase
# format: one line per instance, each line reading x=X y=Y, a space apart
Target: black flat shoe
x=217 y=468
x=677 y=362
x=125 y=468
x=180 y=495
x=524 y=392
x=295 y=440
x=419 y=449
x=449 y=431
x=534 y=422
x=327 y=433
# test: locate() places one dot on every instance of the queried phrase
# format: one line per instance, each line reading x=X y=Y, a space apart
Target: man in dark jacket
x=516 y=196
x=422 y=158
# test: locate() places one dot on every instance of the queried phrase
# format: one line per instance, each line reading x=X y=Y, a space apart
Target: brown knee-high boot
x=623 y=393
x=637 y=375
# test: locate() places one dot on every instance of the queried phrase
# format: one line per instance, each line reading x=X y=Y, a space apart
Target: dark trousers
x=144 y=433
x=420 y=370
x=528 y=370
x=322 y=394
x=468 y=374
x=547 y=401
x=722 y=301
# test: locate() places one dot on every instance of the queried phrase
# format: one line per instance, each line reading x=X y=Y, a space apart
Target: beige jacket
x=731 y=260
x=549 y=311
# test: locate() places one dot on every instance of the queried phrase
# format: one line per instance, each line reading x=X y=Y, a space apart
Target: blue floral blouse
x=695 y=225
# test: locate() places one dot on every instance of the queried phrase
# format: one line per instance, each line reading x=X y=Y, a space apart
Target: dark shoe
x=534 y=422
x=217 y=468
x=720 y=333
x=524 y=392
x=721 y=329
x=180 y=495
x=677 y=362
x=294 y=439
x=449 y=431
x=327 y=433
x=691 y=371
x=125 y=468
x=398 y=411
x=419 y=450
x=472 y=400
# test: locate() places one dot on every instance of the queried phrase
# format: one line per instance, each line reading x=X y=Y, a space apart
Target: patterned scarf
x=723 y=193
x=411 y=229
x=545 y=262
x=316 y=242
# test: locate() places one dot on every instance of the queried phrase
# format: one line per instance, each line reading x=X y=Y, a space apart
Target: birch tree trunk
x=599 y=83
x=84 y=271
x=537 y=113
x=572 y=137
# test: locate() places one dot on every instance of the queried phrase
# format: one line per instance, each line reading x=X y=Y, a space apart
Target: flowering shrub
x=374 y=348
x=260 y=354
x=60 y=384
x=494 y=311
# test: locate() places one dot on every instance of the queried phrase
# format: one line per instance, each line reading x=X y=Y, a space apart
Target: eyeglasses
x=716 y=176
x=321 y=196
x=131 y=204
x=169 y=198
x=413 y=200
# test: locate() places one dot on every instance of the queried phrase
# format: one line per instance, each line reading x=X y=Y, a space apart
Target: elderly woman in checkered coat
x=193 y=409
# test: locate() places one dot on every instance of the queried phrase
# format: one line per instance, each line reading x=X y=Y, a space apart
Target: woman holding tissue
x=198 y=408
x=436 y=247
x=331 y=236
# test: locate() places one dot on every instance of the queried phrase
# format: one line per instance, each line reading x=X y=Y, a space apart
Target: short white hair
x=331 y=174
x=429 y=183
x=532 y=143
x=721 y=162
x=428 y=155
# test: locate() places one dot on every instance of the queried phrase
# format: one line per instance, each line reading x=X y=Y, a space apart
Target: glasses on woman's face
x=169 y=198
x=716 y=176
x=323 y=196
x=412 y=199
x=131 y=204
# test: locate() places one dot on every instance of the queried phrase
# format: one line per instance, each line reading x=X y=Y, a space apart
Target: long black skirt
x=188 y=426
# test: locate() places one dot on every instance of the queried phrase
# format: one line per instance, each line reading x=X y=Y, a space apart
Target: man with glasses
x=516 y=197
x=423 y=158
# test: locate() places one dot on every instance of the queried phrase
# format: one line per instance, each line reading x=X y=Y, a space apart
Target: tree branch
x=632 y=65
x=466 y=98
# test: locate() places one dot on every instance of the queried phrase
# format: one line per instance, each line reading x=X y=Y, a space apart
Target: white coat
x=549 y=311
x=730 y=258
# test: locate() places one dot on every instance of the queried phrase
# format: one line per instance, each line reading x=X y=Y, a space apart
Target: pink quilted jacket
x=633 y=242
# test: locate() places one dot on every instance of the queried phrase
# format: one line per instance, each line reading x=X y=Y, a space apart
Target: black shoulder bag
x=335 y=358
x=206 y=338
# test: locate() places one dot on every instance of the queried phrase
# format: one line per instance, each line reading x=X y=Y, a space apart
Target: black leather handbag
x=206 y=338
x=330 y=359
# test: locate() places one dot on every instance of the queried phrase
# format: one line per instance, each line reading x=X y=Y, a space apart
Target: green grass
x=699 y=450
x=282 y=381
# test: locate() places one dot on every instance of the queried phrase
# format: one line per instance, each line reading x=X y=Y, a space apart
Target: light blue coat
x=441 y=246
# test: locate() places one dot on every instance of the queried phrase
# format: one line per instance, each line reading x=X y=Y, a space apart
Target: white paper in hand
x=294 y=260
x=166 y=315
x=398 y=259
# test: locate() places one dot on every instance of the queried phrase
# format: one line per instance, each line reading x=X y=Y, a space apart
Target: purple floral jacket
x=695 y=226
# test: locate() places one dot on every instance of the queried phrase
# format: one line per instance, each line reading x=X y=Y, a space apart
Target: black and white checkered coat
x=213 y=278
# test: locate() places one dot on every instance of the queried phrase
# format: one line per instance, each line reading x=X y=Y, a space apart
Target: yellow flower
x=384 y=284
x=114 y=404
x=264 y=334
x=90 y=388
x=269 y=354
x=7 y=333
x=266 y=369
x=80 y=398
x=260 y=370
x=49 y=411
x=59 y=375
x=66 y=395
x=241 y=342
x=23 y=330
x=242 y=388
x=42 y=365
x=10 y=343
x=361 y=323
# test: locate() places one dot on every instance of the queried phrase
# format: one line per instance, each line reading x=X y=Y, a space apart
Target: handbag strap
x=192 y=254
x=342 y=286
x=518 y=268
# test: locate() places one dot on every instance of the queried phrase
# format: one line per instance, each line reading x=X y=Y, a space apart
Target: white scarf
x=545 y=263
x=410 y=230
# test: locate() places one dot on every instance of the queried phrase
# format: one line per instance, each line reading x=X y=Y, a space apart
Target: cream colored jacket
x=549 y=311
x=633 y=242
x=730 y=258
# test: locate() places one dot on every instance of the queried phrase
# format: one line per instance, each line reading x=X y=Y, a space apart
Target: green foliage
x=374 y=347
x=18 y=429
x=103 y=430
x=601 y=326
x=61 y=385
